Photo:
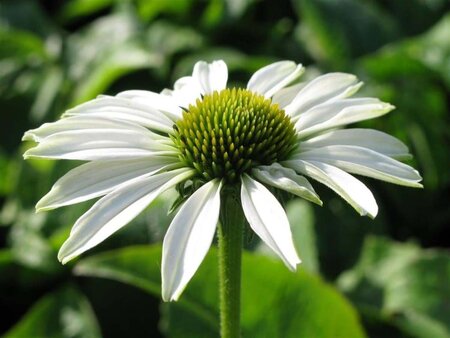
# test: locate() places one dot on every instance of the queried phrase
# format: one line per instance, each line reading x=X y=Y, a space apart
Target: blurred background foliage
x=360 y=278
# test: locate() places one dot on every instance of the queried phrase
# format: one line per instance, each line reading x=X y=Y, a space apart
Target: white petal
x=348 y=187
x=81 y=123
x=99 y=178
x=186 y=91
x=268 y=220
x=363 y=161
x=211 y=76
x=99 y=144
x=284 y=96
x=338 y=113
x=270 y=79
x=189 y=238
x=322 y=89
x=367 y=138
x=163 y=103
x=286 y=179
x=115 y=210
x=124 y=109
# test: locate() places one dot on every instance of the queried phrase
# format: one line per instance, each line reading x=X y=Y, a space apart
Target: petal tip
x=389 y=107
x=28 y=136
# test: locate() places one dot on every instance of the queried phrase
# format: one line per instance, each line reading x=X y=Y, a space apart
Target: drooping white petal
x=338 y=113
x=81 y=123
x=284 y=96
x=270 y=79
x=286 y=179
x=324 y=88
x=211 y=76
x=366 y=162
x=98 y=178
x=124 y=109
x=348 y=187
x=367 y=138
x=163 y=103
x=268 y=220
x=115 y=210
x=188 y=239
x=99 y=144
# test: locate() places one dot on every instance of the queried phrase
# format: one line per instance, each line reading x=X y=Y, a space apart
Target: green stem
x=230 y=250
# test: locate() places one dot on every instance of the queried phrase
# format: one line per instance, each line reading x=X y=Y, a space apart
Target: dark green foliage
x=56 y=54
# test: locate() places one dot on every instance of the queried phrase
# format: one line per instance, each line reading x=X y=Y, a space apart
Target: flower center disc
x=229 y=132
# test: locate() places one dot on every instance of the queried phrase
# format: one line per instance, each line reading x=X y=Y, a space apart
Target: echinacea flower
x=200 y=137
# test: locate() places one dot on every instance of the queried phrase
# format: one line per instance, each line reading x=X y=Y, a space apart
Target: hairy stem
x=230 y=250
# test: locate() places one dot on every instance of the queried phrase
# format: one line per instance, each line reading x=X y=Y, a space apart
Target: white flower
x=139 y=144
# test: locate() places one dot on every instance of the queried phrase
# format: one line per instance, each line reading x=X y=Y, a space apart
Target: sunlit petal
x=211 y=76
x=123 y=109
x=367 y=138
x=348 y=187
x=270 y=79
x=99 y=144
x=363 y=161
x=339 y=113
x=286 y=179
x=325 y=88
x=162 y=103
x=99 y=178
x=268 y=220
x=115 y=210
x=188 y=239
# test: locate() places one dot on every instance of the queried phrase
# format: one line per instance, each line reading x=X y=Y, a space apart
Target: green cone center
x=227 y=133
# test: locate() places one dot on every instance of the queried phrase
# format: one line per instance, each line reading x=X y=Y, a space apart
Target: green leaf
x=166 y=38
x=407 y=287
x=301 y=218
x=150 y=9
x=431 y=48
x=28 y=245
x=336 y=31
x=275 y=301
x=64 y=313
x=78 y=8
x=20 y=45
x=121 y=61
x=106 y=50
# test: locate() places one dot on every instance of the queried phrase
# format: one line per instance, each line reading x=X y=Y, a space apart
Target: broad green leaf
x=275 y=301
x=61 y=314
x=406 y=285
x=301 y=218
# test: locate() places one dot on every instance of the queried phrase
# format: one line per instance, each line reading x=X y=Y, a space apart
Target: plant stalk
x=230 y=235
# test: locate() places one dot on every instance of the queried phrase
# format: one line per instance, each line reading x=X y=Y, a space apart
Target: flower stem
x=230 y=250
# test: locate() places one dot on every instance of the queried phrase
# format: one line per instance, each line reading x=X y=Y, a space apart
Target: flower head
x=201 y=136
